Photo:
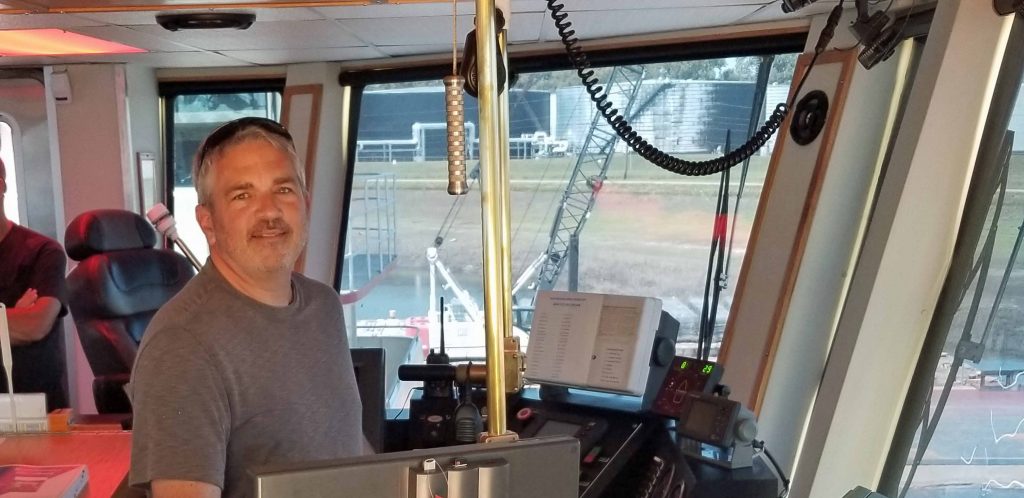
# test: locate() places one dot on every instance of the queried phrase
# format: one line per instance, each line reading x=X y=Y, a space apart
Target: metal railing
x=372 y=241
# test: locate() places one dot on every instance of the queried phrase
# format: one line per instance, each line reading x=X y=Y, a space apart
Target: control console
x=686 y=375
x=608 y=438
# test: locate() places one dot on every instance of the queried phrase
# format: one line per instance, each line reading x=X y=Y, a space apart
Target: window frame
x=169 y=90
x=356 y=80
x=900 y=459
x=16 y=168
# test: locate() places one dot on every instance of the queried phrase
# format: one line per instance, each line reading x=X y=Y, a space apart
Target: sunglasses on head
x=228 y=131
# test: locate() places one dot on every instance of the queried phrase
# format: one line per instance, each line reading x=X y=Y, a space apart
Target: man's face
x=256 y=218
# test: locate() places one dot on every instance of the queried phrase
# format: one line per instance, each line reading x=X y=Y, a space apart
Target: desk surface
x=107 y=454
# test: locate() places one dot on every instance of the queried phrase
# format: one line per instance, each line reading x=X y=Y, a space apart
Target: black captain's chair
x=119 y=284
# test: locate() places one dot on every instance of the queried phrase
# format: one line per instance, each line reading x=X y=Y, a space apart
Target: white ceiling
x=361 y=32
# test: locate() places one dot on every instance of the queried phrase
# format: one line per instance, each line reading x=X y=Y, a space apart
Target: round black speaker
x=809 y=117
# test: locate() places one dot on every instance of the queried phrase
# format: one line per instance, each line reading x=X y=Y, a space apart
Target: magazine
x=49 y=481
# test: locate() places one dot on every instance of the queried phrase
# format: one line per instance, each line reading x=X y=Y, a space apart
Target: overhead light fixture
x=795 y=5
x=29 y=42
x=205 y=20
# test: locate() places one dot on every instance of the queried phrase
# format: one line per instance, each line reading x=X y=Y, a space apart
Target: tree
x=553 y=80
x=744 y=69
x=708 y=69
x=221 y=101
x=783 y=68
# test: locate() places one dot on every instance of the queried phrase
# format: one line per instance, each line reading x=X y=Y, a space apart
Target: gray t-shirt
x=223 y=382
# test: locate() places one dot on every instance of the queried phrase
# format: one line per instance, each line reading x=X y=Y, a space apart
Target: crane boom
x=588 y=175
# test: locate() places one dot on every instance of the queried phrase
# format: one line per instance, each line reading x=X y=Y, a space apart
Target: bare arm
x=32 y=323
x=167 y=488
x=27 y=299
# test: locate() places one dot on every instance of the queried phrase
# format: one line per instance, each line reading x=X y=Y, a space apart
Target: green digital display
x=686 y=375
x=706 y=369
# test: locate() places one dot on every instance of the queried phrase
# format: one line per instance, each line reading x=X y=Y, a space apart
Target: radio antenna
x=442 y=324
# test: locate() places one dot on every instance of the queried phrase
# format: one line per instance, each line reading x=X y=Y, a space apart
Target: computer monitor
x=369 y=369
x=530 y=468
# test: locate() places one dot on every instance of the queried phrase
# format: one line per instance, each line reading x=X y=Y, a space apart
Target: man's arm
x=181 y=421
x=27 y=299
x=31 y=324
x=167 y=488
x=46 y=281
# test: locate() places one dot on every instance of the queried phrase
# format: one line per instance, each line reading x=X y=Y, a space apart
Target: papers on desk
x=49 y=481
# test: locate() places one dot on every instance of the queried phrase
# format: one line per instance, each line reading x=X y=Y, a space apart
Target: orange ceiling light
x=19 y=42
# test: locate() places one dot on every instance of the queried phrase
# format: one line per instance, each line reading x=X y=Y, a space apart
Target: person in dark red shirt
x=32 y=286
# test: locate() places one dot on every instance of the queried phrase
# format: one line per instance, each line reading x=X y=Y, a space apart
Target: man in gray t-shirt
x=249 y=363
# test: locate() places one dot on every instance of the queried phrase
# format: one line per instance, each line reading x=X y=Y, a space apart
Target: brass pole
x=504 y=192
x=514 y=359
x=490 y=197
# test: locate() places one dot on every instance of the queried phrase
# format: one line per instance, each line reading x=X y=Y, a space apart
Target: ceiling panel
x=171 y=59
x=400 y=50
x=600 y=24
x=434 y=30
x=585 y=5
x=271 y=57
x=153 y=59
x=774 y=12
x=38 y=21
x=264 y=35
x=382 y=28
x=134 y=38
x=529 y=5
x=396 y=11
x=140 y=18
x=81 y=5
x=527 y=27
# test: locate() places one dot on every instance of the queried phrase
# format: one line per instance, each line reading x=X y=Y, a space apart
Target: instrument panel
x=608 y=438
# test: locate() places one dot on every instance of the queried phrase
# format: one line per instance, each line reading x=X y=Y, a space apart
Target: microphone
x=455 y=116
x=162 y=219
x=468 y=422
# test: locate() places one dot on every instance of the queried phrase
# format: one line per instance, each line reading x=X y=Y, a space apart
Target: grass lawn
x=648 y=234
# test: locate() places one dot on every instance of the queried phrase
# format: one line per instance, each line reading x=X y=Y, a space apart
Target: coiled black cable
x=636 y=142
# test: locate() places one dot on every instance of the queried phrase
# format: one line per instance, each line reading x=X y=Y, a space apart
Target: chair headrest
x=104 y=230
x=124 y=283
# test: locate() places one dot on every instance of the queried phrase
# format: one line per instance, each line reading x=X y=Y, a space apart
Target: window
x=7 y=155
x=968 y=438
x=193 y=115
x=649 y=231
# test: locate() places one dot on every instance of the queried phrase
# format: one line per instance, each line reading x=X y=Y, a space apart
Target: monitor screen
x=368 y=364
x=701 y=418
